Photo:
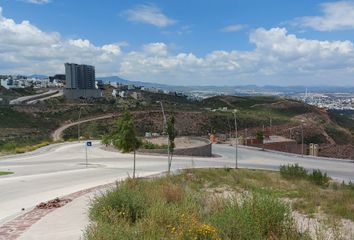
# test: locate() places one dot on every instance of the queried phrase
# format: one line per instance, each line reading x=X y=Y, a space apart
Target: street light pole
x=302 y=139
x=164 y=117
x=230 y=134
x=164 y=131
x=236 y=138
x=78 y=125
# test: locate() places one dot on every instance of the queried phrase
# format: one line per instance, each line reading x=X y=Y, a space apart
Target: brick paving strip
x=16 y=227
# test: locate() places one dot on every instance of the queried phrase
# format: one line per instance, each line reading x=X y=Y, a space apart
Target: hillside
x=23 y=125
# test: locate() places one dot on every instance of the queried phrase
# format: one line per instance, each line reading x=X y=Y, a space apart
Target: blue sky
x=196 y=42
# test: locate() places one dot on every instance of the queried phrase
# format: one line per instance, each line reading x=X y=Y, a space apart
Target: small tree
x=260 y=138
x=124 y=138
x=171 y=133
x=106 y=139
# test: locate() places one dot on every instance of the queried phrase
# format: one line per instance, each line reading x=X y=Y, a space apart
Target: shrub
x=339 y=136
x=318 y=177
x=317 y=138
x=189 y=227
x=125 y=202
x=293 y=171
x=260 y=216
x=150 y=145
x=297 y=172
x=8 y=147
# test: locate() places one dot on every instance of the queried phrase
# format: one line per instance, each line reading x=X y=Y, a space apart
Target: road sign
x=88 y=144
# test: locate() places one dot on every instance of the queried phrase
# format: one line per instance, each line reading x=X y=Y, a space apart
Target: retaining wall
x=198 y=151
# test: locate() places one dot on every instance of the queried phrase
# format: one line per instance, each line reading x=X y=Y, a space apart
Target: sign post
x=88 y=144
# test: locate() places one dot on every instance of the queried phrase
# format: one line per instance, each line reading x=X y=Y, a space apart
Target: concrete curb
x=297 y=155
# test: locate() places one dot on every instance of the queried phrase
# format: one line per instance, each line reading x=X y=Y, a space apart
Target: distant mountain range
x=234 y=89
x=136 y=83
x=244 y=89
x=37 y=76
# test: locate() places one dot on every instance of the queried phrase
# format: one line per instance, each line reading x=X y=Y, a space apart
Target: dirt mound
x=55 y=203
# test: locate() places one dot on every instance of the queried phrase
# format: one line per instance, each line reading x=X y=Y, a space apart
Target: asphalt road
x=60 y=169
x=30 y=99
x=57 y=135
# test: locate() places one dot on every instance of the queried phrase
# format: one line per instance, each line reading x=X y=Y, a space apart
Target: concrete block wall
x=198 y=151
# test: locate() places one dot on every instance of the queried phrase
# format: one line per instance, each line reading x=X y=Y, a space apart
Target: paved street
x=60 y=169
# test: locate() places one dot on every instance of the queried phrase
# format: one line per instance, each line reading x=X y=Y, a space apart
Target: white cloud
x=233 y=28
x=149 y=14
x=81 y=43
x=112 y=49
x=277 y=58
x=336 y=16
x=158 y=48
x=26 y=49
x=37 y=1
x=290 y=56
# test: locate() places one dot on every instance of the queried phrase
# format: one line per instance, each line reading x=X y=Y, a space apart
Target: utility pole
x=236 y=138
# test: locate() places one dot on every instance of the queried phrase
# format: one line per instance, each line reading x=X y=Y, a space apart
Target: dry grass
x=180 y=207
x=335 y=200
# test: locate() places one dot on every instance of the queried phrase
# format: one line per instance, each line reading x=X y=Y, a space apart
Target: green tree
x=171 y=133
x=124 y=137
x=106 y=139
x=260 y=138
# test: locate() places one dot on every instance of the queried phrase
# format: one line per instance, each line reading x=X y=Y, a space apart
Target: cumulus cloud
x=336 y=16
x=26 y=49
x=158 y=48
x=302 y=61
x=277 y=58
x=112 y=49
x=233 y=28
x=149 y=14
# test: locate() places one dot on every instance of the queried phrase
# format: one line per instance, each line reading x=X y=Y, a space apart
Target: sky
x=180 y=42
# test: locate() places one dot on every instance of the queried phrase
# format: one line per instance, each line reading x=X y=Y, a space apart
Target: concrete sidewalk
x=68 y=222
x=65 y=223
x=55 y=223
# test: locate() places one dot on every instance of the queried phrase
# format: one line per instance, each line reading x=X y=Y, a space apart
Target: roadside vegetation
x=297 y=172
x=149 y=145
x=220 y=204
x=5 y=173
x=13 y=147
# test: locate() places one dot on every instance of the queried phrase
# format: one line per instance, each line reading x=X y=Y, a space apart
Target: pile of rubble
x=55 y=203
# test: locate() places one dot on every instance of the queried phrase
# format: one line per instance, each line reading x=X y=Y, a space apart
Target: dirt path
x=57 y=134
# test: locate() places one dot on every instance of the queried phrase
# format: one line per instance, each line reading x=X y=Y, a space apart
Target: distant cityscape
x=331 y=101
x=79 y=81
